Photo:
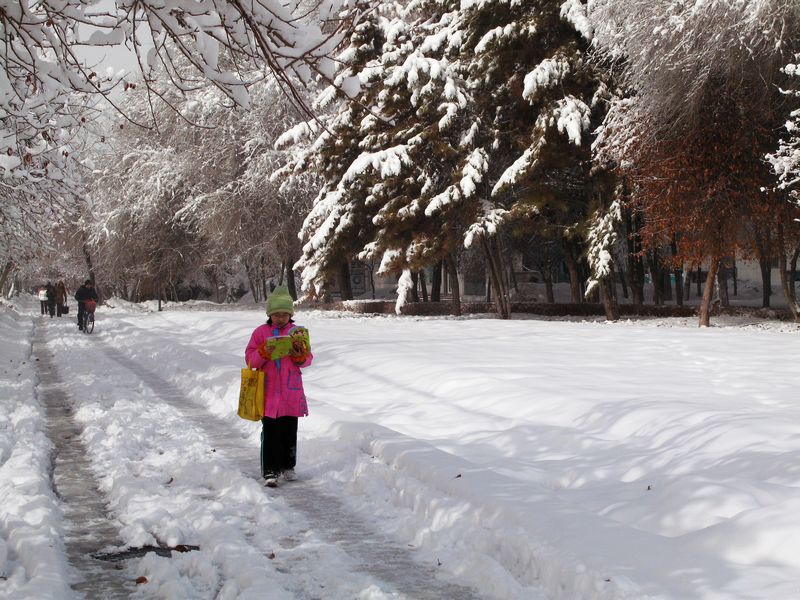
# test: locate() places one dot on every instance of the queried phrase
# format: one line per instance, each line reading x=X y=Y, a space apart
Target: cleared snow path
x=87 y=525
x=372 y=553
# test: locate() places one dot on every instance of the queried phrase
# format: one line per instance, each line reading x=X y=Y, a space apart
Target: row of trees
x=581 y=123
x=51 y=95
x=191 y=200
x=620 y=133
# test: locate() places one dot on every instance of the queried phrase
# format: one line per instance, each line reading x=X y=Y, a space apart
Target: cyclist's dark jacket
x=83 y=294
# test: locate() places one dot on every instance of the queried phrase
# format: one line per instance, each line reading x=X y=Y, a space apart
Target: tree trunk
x=134 y=297
x=450 y=265
x=612 y=283
x=705 y=303
x=371 y=270
x=502 y=302
x=415 y=287
x=623 y=279
x=212 y=280
x=9 y=266
x=548 y=287
x=677 y=272
x=290 y=283
x=635 y=264
x=572 y=267
x=609 y=304
x=262 y=275
x=763 y=243
x=423 y=286
x=87 y=256
x=436 y=283
x=766 y=281
x=793 y=272
x=699 y=276
x=722 y=281
x=788 y=289
x=636 y=280
x=251 y=280
x=787 y=283
x=657 y=277
x=506 y=269
x=343 y=279
x=513 y=278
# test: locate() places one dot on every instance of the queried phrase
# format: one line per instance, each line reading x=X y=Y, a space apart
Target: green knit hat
x=279 y=300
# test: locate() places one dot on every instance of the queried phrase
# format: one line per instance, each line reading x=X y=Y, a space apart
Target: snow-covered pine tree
x=350 y=150
x=537 y=100
x=425 y=99
x=785 y=162
x=393 y=151
x=483 y=116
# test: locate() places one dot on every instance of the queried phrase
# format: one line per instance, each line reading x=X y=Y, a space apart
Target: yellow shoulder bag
x=251 y=394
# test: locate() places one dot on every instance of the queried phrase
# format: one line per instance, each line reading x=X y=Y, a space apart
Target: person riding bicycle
x=85 y=292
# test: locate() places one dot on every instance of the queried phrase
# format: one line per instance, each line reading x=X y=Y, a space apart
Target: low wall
x=554 y=310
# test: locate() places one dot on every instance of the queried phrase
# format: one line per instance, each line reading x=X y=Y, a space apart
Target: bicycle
x=88 y=316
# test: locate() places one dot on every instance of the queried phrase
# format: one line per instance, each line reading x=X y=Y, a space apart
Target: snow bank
x=32 y=560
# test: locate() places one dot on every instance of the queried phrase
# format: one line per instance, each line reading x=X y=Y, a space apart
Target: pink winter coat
x=283 y=384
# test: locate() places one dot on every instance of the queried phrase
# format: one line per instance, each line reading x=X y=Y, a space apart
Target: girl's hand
x=265 y=351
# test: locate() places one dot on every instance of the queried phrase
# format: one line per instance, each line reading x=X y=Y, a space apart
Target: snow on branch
x=676 y=51
x=601 y=238
x=575 y=13
x=785 y=161
x=488 y=225
x=548 y=74
x=387 y=163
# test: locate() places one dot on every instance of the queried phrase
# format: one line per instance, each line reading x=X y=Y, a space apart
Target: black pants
x=81 y=309
x=44 y=306
x=278 y=444
x=51 y=307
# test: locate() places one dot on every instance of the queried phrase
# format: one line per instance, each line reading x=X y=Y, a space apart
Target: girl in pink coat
x=284 y=398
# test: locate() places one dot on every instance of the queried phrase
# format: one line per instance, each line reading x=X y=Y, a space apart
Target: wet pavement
x=88 y=527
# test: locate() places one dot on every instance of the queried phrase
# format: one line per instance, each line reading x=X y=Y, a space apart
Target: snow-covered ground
x=530 y=459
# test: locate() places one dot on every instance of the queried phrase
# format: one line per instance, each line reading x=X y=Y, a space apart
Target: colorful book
x=282 y=344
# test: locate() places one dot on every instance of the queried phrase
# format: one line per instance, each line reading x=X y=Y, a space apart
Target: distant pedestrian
x=84 y=293
x=51 y=299
x=43 y=299
x=284 y=398
x=61 y=297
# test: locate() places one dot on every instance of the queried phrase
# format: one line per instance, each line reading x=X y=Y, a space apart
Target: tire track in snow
x=374 y=554
x=87 y=524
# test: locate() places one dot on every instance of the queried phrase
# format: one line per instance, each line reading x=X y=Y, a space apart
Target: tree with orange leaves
x=702 y=113
x=704 y=183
